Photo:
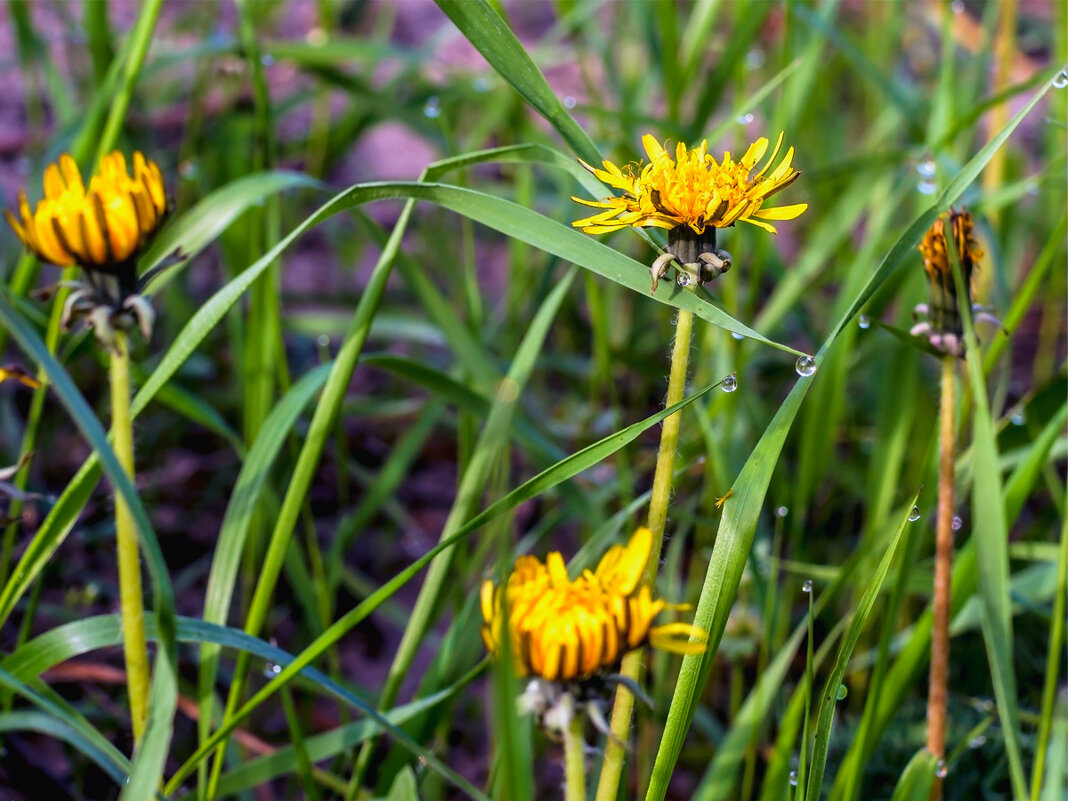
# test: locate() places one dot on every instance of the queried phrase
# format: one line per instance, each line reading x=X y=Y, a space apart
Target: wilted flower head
x=944 y=327
x=692 y=195
x=564 y=630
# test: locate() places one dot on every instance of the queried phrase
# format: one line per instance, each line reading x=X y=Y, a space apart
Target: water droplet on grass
x=682 y=279
x=956 y=523
x=1060 y=80
x=782 y=511
x=805 y=366
x=730 y=383
x=737 y=336
x=745 y=119
x=272 y=670
x=432 y=109
x=914 y=515
x=941 y=771
x=927 y=168
x=1019 y=417
x=843 y=691
x=927 y=187
x=978 y=741
x=807 y=586
x=323 y=340
x=793 y=778
x=267 y=60
x=569 y=101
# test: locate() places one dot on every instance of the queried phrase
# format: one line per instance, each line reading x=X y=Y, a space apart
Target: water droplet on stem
x=864 y=321
x=1060 y=80
x=914 y=515
x=730 y=383
x=956 y=523
x=807 y=586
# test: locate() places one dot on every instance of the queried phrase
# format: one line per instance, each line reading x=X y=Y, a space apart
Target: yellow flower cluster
x=96 y=229
x=564 y=630
x=693 y=189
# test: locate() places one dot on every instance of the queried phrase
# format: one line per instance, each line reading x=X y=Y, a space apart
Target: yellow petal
x=771 y=158
x=782 y=212
x=759 y=224
x=755 y=152
x=652 y=147
x=71 y=173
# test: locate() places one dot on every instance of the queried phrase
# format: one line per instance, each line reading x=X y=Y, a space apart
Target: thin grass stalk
x=615 y=749
x=937 y=694
x=575 y=759
x=132 y=605
x=1053 y=658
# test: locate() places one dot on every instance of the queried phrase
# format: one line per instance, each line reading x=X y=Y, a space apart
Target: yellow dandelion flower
x=101 y=228
x=568 y=630
x=943 y=326
x=692 y=195
x=693 y=189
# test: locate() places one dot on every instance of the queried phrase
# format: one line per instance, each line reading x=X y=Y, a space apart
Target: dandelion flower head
x=693 y=190
x=97 y=228
x=568 y=630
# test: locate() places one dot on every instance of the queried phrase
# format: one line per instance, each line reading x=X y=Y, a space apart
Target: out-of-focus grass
x=261 y=112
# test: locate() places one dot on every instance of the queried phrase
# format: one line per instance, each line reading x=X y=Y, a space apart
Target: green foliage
x=363 y=369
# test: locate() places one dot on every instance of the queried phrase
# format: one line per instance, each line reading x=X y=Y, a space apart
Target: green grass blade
x=738 y=523
x=991 y=534
x=829 y=698
x=917 y=778
x=484 y=28
x=237 y=519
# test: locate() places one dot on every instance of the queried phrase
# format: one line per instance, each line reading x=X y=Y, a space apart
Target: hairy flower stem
x=131 y=600
x=614 y=753
x=575 y=759
x=937 y=689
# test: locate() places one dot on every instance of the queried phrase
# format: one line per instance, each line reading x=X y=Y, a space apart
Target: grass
x=388 y=350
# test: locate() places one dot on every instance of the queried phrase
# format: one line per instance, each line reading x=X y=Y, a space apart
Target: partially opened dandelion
x=568 y=635
x=102 y=229
x=692 y=195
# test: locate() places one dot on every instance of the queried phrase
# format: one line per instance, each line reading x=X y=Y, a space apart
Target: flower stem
x=615 y=751
x=575 y=759
x=937 y=694
x=132 y=602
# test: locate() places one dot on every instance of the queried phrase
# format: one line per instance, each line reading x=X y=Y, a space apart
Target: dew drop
x=481 y=84
x=1060 y=80
x=807 y=586
x=914 y=515
x=927 y=187
x=843 y=691
x=1019 y=417
x=805 y=366
x=432 y=109
x=730 y=383
x=754 y=59
x=864 y=321
x=737 y=336
x=272 y=670
x=782 y=511
x=793 y=778
x=941 y=771
x=682 y=279
x=745 y=119
x=569 y=101
x=267 y=60
x=957 y=523
x=978 y=741
x=927 y=168
x=323 y=340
